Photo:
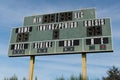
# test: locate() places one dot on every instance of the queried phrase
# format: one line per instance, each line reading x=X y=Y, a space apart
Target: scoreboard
x=67 y=32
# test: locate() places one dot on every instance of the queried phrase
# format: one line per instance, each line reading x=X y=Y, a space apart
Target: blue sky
x=12 y=13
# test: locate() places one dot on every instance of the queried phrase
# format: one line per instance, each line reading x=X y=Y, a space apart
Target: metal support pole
x=84 y=70
x=31 y=71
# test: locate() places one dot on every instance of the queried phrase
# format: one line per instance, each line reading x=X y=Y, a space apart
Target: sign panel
x=62 y=35
x=60 y=17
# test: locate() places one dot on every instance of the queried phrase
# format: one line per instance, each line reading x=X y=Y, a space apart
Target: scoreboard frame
x=65 y=38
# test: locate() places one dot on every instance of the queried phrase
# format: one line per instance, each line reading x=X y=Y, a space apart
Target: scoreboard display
x=61 y=33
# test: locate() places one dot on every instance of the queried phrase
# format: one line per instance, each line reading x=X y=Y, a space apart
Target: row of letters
x=19 y=46
x=49 y=44
x=23 y=29
x=65 y=43
x=57 y=26
x=42 y=44
x=37 y=20
x=91 y=23
x=66 y=25
x=77 y=15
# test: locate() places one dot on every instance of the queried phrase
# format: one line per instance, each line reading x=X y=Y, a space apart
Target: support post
x=84 y=66
x=31 y=70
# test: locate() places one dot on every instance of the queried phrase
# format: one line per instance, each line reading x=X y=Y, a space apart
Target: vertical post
x=31 y=71
x=84 y=67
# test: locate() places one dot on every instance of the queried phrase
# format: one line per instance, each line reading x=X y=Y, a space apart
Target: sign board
x=61 y=33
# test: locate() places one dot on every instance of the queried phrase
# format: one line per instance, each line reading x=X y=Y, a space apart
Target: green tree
x=72 y=77
x=13 y=78
x=5 y=78
x=24 y=78
x=61 y=78
x=112 y=74
x=36 y=78
x=80 y=77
